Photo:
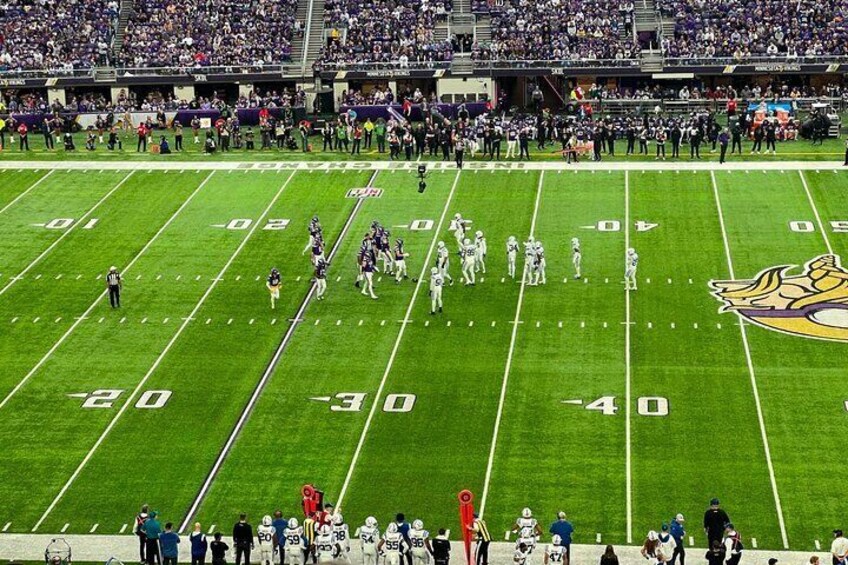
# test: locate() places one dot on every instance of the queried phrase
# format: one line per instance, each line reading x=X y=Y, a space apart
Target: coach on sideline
x=114 y=283
x=563 y=528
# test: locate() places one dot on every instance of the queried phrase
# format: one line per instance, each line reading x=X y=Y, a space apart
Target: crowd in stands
x=199 y=33
x=558 y=30
x=396 y=32
x=772 y=28
x=770 y=91
x=57 y=35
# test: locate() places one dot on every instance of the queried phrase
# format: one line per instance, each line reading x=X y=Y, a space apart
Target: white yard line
x=266 y=375
x=174 y=338
x=328 y=166
x=421 y=278
x=816 y=213
x=508 y=367
x=97 y=300
x=628 y=459
x=27 y=191
x=65 y=233
x=752 y=374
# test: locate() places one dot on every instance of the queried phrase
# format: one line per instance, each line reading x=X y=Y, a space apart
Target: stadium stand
x=734 y=28
x=384 y=31
x=193 y=33
x=60 y=36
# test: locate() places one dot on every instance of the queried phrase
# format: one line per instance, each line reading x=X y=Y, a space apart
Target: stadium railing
x=485 y=65
x=754 y=60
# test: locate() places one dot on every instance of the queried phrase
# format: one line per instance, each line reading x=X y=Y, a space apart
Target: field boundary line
x=752 y=374
x=469 y=166
x=628 y=456
x=422 y=276
x=100 y=297
x=267 y=373
x=162 y=355
x=27 y=191
x=508 y=367
x=816 y=212
x=65 y=234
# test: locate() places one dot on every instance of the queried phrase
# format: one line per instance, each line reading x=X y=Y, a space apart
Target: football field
x=621 y=408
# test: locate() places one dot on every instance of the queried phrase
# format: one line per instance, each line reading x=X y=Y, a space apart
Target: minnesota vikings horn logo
x=812 y=304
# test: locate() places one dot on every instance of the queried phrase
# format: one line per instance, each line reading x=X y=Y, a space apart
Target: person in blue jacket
x=563 y=528
x=678 y=533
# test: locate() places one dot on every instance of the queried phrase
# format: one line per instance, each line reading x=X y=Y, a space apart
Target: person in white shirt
x=666 y=546
x=369 y=536
x=266 y=535
x=480 y=252
x=732 y=545
x=576 y=256
x=631 y=262
x=839 y=548
x=511 y=255
x=469 y=253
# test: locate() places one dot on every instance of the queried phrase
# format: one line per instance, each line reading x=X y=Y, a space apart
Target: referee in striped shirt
x=484 y=538
x=114 y=283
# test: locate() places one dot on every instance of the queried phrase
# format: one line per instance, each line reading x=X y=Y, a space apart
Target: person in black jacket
x=757 y=147
x=219 y=550
x=243 y=539
x=676 y=136
x=609 y=557
x=715 y=555
x=736 y=139
x=441 y=548
x=715 y=519
x=771 y=138
x=631 y=140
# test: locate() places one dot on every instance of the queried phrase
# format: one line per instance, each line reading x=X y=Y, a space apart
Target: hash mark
x=274 y=321
x=338 y=278
x=38 y=276
x=538 y=323
x=426 y=323
x=138 y=277
x=158 y=277
x=250 y=323
x=470 y=323
x=360 y=323
x=211 y=528
x=79 y=277
x=695 y=325
x=7 y=526
x=124 y=319
x=35 y=321
x=818 y=543
x=165 y=321
x=650 y=325
x=144 y=320
x=449 y=323
x=317 y=320
x=57 y=320
x=298 y=278
x=230 y=321
x=493 y=323
x=338 y=322
x=64 y=528
x=582 y=324
x=605 y=324
x=59 y=276
x=648 y=281
x=100 y=321
x=93 y=528
x=559 y=324
x=691 y=540
x=718 y=326
x=197 y=278
x=672 y=325
x=179 y=277
x=383 y=323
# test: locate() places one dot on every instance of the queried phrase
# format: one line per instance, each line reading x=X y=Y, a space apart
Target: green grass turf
x=549 y=455
x=800 y=150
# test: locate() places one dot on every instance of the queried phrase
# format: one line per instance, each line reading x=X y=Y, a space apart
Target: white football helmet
x=575 y=242
x=556 y=540
x=338 y=519
x=371 y=522
x=526 y=513
x=652 y=535
x=434 y=270
x=266 y=520
x=479 y=233
x=511 y=239
x=631 y=251
x=325 y=530
x=391 y=528
x=417 y=525
x=466 y=241
x=457 y=216
x=293 y=523
x=538 y=245
x=440 y=244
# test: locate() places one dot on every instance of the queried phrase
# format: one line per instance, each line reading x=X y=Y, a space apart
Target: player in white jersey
x=555 y=552
x=528 y=530
x=369 y=536
x=469 y=252
x=480 y=252
x=576 y=256
x=295 y=544
x=341 y=536
x=539 y=265
x=437 y=282
x=529 y=261
x=419 y=543
x=393 y=545
x=511 y=255
x=326 y=548
x=631 y=262
x=266 y=535
x=458 y=226
x=443 y=261
x=521 y=553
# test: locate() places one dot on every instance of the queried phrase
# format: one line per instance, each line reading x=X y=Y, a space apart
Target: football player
x=266 y=535
x=273 y=284
x=326 y=549
x=555 y=552
x=631 y=262
x=317 y=250
x=366 y=250
x=469 y=252
x=368 y=269
x=315 y=231
x=528 y=530
x=419 y=542
x=437 y=282
x=368 y=535
x=320 y=279
x=521 y=553
x=295 y=544
x=480 y=252
x=393 y=545
x=576 y=256
x=341 y=536
x=384 y=251
x=529 y=261
x=400 y=261
x=511 y=255
x=539 y=265
x=443 y=262
x=458 y=226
